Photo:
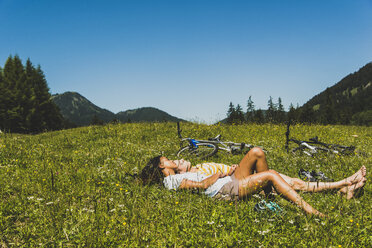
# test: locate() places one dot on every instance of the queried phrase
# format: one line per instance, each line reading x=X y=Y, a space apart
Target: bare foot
x=320 y=214
x=350 y=190
x=358 y=176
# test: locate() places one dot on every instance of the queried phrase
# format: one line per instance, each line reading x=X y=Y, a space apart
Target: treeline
x=25 y=102
x=275 y=113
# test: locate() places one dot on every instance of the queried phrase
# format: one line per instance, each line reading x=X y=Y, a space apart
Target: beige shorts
x=229 y=191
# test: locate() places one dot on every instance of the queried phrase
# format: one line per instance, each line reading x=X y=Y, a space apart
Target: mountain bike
x=314 y=146
x=202 y=149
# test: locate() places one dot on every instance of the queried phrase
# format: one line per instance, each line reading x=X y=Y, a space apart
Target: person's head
x=156 y=169
x=183 y=166
x=152 y=173
x=159 y=167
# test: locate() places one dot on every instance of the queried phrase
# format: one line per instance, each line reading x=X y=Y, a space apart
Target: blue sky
x=189 y=58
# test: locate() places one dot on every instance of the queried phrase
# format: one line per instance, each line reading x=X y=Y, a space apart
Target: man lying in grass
x=238 y=181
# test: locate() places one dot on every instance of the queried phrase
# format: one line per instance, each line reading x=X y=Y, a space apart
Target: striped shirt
x=209 y=169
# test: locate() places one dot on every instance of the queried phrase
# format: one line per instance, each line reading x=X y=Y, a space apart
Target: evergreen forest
x=25 y=101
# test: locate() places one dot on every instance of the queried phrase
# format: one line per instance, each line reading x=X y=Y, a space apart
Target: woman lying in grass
x=238 y=181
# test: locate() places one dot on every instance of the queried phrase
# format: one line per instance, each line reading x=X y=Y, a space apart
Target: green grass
x=71 y=188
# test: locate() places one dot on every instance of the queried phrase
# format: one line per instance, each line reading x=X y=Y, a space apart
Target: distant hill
x=145 y=114
x=348 y=99
x=81 y=112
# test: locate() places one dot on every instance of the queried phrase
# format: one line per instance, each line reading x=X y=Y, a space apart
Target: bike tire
x=204 y=150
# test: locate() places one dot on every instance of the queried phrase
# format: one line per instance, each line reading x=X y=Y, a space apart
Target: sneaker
x=271 y=206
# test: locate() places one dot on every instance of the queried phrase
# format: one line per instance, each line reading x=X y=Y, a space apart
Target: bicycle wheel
x=203 y=150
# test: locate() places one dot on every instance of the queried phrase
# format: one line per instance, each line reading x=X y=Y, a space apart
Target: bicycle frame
x=225 y=146
x=314 y=141
x=221 y=145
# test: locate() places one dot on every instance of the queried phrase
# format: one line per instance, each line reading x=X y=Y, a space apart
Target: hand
x=232 y=169
x=221 y=175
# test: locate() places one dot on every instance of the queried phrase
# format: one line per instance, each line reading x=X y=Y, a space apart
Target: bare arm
x=188 y=184
x=232 y=169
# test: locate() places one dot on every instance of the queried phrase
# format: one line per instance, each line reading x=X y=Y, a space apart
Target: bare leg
x=254 y=160
x=258 y=181
x=298 y=184
x=350 y=190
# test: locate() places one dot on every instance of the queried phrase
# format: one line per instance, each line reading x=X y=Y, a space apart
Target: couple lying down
x=250 y=176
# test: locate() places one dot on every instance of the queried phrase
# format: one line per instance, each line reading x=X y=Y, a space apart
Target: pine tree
x=239 y=115
x=280 y=116
x=271 y=110
x=51 y=119
x=14 y=83
x=231 y=113
x=250 y=110
x=292 y=113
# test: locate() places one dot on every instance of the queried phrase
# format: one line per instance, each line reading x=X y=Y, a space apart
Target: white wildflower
x=264 y=232
x=210 y=222
x=30 y=198
x=49 y=203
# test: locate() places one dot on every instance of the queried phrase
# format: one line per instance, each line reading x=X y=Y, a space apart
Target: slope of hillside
x=79 y=110
x=347 y=98
x=145 y=114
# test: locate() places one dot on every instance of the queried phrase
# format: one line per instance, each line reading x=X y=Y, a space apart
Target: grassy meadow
x=71 y=188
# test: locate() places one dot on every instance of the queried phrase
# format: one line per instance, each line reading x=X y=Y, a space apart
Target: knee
x=273 y=174
x=257 y=152
x=298 y=184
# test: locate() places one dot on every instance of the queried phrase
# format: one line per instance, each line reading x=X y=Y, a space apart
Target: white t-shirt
x=174 y=182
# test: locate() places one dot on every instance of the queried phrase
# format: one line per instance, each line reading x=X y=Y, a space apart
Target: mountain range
x=81 y=112
x=351 y=97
